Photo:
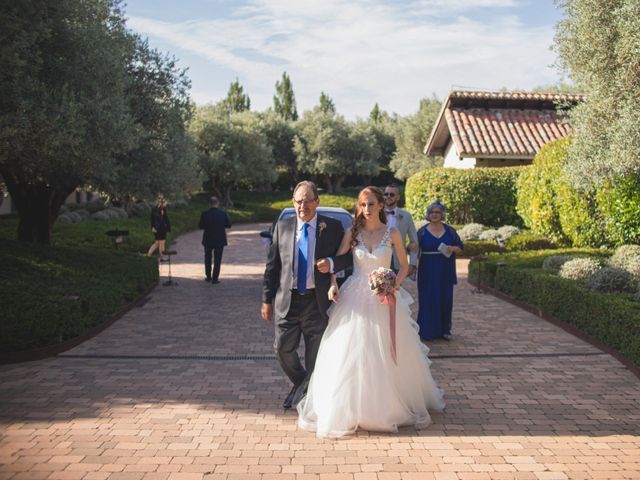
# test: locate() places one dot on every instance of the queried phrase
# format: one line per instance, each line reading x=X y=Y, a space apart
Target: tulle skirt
x=356 y=383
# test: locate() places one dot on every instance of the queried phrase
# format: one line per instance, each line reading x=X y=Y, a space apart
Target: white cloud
x=362 y=52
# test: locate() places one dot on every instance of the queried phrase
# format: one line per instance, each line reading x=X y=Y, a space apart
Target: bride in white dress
x=356 y=382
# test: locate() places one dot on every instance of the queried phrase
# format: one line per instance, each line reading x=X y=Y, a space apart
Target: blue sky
x=359 y=52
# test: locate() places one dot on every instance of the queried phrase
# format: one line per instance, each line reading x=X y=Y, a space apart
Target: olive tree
x=233 y=150
x=598 y=43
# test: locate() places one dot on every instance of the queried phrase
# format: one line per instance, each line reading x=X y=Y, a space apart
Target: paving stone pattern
x=185 y=387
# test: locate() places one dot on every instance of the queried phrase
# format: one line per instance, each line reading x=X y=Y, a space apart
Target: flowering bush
x=471 y=231
x=508 y=231
x=554 y=262
x=627 y=257
x=490 y=235
x=611 y=279
x=579 y=268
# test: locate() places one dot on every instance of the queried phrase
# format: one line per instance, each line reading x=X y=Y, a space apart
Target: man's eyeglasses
x=389 y=194
x=304 y=202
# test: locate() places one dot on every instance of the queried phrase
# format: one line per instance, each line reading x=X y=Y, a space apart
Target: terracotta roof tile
x=495 y=124
x=502 y=131
x=554 y=97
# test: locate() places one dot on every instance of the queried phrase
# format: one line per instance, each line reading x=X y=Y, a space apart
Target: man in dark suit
x=214 y=222
x=295 y=290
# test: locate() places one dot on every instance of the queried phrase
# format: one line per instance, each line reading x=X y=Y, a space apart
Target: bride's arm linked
x=401 y=254
x=344 y=248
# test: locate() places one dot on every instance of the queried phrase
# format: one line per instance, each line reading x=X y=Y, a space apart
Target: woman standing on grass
x=160 y=226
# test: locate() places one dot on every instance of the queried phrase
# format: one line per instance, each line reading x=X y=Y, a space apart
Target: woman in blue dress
x=438 y=244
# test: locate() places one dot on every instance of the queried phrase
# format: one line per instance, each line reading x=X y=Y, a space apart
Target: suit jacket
x=279 y=273
x=404 y=223
x=214 y=222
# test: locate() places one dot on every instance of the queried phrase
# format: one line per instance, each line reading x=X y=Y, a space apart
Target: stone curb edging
x=632 y=367
x=53 y=350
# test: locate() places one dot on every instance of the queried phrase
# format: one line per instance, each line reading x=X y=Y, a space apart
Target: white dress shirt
x=311 y=232
x=392 y=220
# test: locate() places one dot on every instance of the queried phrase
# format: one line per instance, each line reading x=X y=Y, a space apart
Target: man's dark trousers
x=217 y=260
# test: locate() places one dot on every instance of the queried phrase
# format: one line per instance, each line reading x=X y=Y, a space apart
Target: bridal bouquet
x=382 y=281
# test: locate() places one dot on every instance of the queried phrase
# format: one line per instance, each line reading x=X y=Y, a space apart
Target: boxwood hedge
x=53 y=294
x=613 y=318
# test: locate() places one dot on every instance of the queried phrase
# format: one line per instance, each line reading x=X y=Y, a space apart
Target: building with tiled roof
x=497 y=129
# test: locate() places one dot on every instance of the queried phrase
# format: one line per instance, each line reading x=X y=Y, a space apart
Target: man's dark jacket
x=214 y=222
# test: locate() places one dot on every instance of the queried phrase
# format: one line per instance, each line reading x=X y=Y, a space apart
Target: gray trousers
x=303 y=320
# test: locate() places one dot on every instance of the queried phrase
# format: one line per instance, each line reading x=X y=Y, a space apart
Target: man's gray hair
x=310 y=185
x=214 y=202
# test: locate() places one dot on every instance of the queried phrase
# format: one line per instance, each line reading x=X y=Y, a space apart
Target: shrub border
x=632 y=367
x=41 y=353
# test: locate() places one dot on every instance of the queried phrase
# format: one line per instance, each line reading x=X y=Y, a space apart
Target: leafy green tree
x=163 y=160
x=237 y=100
x=91 y=105
x=560 y=87
x=280 y=135
x=375 y=114
x=284 y=101
x=326 y=145
x=383 y=127
x=598 y=44
x=326 y=104
x=411 y=136
x=233 y=150
x=63 y=109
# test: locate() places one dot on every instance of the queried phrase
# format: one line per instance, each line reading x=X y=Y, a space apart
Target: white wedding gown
x=356 y=383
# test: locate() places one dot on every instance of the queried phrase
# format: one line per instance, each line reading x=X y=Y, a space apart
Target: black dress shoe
x=300 y=392
x=215 y=281
x=288 y=401
x=207 y=279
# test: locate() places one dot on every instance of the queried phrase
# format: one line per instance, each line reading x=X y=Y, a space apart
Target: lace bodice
x=364 y=261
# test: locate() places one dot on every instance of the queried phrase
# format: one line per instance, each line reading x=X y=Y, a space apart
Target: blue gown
x=436 y=278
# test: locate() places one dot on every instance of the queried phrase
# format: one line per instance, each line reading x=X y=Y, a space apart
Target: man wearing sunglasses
x=402 y=220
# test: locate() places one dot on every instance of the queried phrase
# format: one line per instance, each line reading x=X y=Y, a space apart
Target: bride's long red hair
x=358 y=216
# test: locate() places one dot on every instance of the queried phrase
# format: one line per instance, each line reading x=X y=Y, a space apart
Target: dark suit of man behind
x=214 y=222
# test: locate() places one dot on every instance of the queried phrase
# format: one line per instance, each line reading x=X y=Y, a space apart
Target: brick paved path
x=185 y=387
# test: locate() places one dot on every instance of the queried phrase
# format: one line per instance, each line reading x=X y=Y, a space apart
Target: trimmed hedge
x=480 y=195
x=479 y=247
x=528 y=241
x=53 y=294
x=613 y=318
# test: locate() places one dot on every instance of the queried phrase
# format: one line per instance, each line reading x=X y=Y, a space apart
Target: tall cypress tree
x=284 y=101
x=237 y=100
x=326 y=104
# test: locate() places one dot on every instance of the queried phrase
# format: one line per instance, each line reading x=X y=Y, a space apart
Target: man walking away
x=214 y=222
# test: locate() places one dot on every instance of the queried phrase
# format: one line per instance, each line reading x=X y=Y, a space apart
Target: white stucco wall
x=452 y=160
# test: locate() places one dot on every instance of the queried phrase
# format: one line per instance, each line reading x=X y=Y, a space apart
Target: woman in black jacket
x=160 y=225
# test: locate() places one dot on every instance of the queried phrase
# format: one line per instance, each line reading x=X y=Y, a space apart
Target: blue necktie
x=303 y=254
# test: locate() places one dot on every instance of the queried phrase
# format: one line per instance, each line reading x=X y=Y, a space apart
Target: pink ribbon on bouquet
x=391 y=301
